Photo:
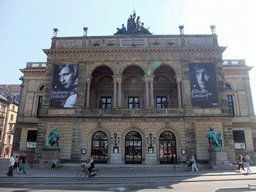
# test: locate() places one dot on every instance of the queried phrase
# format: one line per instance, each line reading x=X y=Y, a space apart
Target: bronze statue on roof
x=133 y=28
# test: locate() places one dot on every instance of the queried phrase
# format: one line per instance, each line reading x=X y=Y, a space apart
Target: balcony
x=115 y=112
x=131 y=112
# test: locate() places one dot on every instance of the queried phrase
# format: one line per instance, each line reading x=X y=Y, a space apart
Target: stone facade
x=127 y=69
x=8 y=116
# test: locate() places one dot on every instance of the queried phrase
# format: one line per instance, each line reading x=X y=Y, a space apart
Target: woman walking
x=248 y=161
x=193 y=163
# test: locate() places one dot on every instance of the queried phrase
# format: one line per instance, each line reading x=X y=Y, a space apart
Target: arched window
x=42 y=88
x=228 y=87
x=133 y=148
x=99 y=148
x=167 y=148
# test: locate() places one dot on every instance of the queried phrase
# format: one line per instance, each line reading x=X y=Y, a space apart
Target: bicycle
x=95 y=174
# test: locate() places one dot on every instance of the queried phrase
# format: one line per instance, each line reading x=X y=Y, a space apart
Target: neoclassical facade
x=134 y=100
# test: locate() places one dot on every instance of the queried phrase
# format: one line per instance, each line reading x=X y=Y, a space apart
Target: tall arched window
x=133 y=148
x=167 y=148
x=99 y=149
x=230 y=101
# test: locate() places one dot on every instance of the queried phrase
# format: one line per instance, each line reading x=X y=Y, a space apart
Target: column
x=152 y=93
x=178 y=78
x=147 y=104
x=88 y=84
x=114 y=95
x=179 y=94
x=119 y=94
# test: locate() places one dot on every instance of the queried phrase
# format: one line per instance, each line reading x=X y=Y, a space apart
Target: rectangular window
x=133 y=103
x=105 y=103
x=31 y=139
x=239 y=139
x=11 y=117
x=161 y=102
x=39 y=106
x=10 y=127
x=2 y=109
x=231 y=105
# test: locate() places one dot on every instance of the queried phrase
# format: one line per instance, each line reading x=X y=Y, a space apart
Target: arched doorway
x=167 y=148
x=100 y=147
x=133 y=148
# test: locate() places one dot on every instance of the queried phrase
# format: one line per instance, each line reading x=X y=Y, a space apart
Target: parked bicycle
x=95 y=174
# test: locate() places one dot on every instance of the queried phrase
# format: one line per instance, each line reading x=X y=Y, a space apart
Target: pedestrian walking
x=54 y=163
x=17 y=164
x=240 y=162
x=23 y=160
x=193 y=163
x=11 y=164
x=247 y=162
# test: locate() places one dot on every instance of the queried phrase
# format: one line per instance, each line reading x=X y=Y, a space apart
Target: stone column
x=249 y=96
x=117 y=80
x=149 y=90
x=47 y=88
x=80 y=87
x=88 y=84
x=114 y=94
x=179 y=79
x=147 y=97
x=119 y=93
x=152 y=93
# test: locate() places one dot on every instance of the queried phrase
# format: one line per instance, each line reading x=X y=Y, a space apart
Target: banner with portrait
x=203 y=84
x=64 y=86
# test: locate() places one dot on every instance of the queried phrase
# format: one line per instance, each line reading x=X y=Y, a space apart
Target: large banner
x=203 y=84
x=64 y=86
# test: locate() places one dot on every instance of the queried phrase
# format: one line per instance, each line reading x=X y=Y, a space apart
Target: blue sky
x=26 y=27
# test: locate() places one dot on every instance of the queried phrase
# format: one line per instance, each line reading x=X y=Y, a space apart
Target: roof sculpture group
x=133 y=27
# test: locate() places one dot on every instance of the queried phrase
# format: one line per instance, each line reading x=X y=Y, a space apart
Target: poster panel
x=64 y=86
x=203 y=84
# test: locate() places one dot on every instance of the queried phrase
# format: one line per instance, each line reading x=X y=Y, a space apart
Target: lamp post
x=85 y=31
x=150 y=137
x=181 y=27
x=115 y=136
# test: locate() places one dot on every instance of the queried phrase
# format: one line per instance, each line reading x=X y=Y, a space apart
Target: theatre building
x=136 y=98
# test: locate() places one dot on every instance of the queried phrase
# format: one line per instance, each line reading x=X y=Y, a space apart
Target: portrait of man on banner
x=64 y=86
x=203 y=84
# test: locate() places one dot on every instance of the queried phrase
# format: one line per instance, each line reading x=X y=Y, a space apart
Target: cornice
x=33 y=70
x=136 y=49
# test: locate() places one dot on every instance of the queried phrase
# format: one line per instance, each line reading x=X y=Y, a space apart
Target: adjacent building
x=8 y=115
x=136 y=98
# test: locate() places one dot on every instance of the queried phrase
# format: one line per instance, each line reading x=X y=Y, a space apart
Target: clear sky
x=26 y=26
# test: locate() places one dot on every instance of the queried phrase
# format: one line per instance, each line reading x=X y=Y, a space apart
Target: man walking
x=11 y=164
x=24 y=161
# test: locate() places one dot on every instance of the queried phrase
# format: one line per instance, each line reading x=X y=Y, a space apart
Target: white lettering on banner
x=59 y=94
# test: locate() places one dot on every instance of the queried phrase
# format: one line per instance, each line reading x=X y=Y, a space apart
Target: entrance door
x=133 y=149
x=100 y=147
x=167 y=148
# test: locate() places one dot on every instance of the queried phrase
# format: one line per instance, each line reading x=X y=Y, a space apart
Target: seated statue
x=121 y=31
x=53 y=138
x=215 y=140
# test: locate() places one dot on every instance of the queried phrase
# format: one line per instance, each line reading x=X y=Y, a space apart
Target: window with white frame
x=31 y=139
x=239 y=139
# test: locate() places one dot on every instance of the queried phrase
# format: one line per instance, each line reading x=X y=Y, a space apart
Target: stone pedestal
x=47 y=156
x=219 y=159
